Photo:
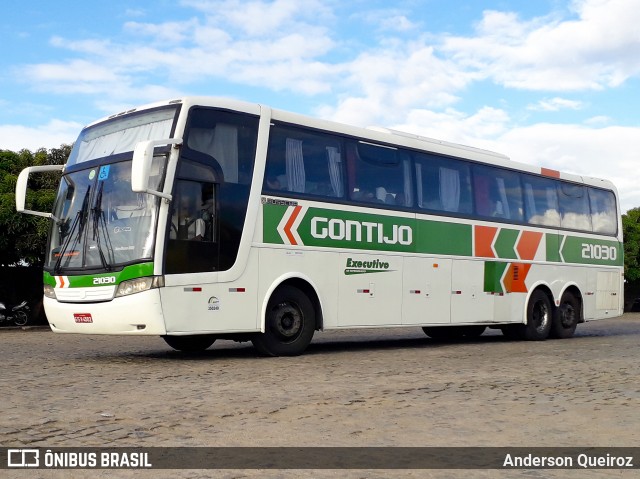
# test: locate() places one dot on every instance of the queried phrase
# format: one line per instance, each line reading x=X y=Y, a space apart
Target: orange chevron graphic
x=484 y=236
x=528 y=244
x=287 y=227
x=515 y=277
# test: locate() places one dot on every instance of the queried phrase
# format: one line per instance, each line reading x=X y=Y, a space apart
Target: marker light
x=49 y=292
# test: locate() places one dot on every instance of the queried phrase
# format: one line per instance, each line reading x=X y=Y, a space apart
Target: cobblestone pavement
x=356 y=388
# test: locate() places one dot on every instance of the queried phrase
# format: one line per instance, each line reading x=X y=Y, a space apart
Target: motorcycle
x=19 y=313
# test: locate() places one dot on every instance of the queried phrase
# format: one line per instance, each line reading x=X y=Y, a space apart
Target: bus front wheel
x=289 y=324
x=190 y=344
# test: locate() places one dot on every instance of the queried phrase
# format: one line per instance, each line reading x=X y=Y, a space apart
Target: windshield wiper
x=78 y=222
x=100 y=220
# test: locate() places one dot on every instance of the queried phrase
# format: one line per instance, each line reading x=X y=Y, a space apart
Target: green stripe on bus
x=493 y=271
x=506 y=242
x=331 y=228
x=88 y=280
x=438 y=237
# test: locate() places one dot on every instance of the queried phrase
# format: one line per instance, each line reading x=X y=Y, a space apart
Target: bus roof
x=381 y=134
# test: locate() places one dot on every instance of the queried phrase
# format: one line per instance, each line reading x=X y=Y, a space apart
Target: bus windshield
x=121 y=134
x=100 y=223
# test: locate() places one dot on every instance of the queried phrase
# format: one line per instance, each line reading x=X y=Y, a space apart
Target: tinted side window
x=443 y=184
x=604 y=214
x=378 y=174
x=301 y=161
x=224 y=140
x=574 y=207
x=540 y=201
x=497 y=193
x=224 y=143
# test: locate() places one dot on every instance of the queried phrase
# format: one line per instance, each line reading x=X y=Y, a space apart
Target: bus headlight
x=139 y=285
x=49 y=292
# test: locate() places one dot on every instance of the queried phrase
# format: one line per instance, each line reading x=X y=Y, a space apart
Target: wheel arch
x=304 y=284
x=546 y=289
x=575 y=290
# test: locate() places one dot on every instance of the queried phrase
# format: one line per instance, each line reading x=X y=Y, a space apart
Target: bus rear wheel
x=539 y=318
x=190 y=344
x=289 y=324
x=566 y=318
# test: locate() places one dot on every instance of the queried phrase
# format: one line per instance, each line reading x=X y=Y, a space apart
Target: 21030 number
x=601 y=252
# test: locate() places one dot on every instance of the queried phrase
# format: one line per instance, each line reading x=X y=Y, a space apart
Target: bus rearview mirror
x=21 y=187
x=141 y=165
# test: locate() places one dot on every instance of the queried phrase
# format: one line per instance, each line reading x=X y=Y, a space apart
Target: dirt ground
x=352 y=388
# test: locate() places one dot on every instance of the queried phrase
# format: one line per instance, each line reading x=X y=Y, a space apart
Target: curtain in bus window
x=529 y=202
x=502 y=206
x=225 y=150
x=484 y=205
x=335 y=171
x=541 y=201
x=295 y=165
x=408 y=194
x=419 y=195
x=201 y=139
x=122 y=140
x=220 y=143
x=450 y=189
x=552 y=213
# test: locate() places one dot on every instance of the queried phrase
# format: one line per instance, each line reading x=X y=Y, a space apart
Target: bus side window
x=443 y=184
x=379 y=174
x=574 y=207
x=540 y=201
x=603 y=211
x=497 y=193
x=304 y=162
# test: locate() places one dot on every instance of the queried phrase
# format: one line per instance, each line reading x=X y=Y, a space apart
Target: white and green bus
x=201 y=219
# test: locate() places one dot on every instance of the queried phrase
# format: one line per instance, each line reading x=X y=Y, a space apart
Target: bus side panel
x=194 y=304
x=604 y=298
x=370 y=290
x=469 y=302
x=318 y=268
x=426 y=291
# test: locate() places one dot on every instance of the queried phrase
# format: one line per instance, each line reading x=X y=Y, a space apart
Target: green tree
x=24 y=237
x=631 y=232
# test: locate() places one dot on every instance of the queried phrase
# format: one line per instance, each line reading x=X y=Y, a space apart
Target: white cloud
x=263 y=19
x=414 y=84
x=50 y=135
x=597 y=50
x=385 y=84
x=556 y=104
x=388 y=20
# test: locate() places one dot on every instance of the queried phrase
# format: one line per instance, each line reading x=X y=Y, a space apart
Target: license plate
x=82 y=317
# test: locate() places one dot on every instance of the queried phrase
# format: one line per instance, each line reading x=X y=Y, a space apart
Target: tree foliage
x=24 y=237
x=631 y=232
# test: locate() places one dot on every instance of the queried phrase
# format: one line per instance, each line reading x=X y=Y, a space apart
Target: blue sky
x=552 y=82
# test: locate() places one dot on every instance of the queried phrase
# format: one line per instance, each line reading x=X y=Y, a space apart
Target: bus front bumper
x=137 y=314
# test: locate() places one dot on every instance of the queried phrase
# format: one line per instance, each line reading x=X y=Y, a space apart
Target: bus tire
x=539 y=318
x=289 y=324
x=20 y=318
x=566 y=317
x=190 y=344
